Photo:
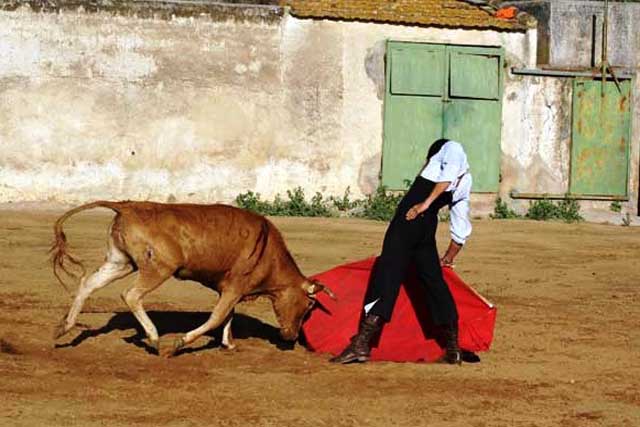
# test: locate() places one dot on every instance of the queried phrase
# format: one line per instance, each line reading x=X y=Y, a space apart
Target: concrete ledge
x=159 y=9
x=541 y=196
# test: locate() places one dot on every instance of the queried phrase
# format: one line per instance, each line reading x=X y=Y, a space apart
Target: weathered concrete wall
x=200 y=109
x=570 y=38
x=536 y=152
x=197 y=109
x=541 y=160
x=571 y=32
x=97 y=106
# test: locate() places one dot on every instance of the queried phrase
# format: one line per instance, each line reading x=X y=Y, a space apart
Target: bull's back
x=208 y=237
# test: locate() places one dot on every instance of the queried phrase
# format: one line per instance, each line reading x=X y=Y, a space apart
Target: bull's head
x=293 y=303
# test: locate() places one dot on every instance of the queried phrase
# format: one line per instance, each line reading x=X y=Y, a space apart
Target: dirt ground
x=566 y=351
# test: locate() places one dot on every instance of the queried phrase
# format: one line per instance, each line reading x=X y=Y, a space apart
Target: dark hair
x=435 y=147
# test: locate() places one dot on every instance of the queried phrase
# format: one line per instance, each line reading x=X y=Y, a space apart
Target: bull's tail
x=59 y=250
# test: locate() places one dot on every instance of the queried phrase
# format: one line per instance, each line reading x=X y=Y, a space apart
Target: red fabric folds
x=409 y=336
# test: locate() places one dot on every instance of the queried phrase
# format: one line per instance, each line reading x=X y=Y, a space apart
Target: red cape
x=409 y=336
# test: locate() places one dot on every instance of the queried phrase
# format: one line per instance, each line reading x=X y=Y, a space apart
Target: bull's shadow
x=180 y=322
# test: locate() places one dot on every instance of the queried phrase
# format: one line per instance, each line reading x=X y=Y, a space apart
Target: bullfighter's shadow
x=180 y=322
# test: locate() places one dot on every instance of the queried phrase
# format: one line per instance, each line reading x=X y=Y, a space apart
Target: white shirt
x=450 y=165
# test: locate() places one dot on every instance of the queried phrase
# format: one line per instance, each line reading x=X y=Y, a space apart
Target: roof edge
x=159 y=9
x=493 y=6
x=513 y=21
x=517 y=28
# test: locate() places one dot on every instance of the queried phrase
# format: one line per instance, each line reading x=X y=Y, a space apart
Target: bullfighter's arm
x=438 y=189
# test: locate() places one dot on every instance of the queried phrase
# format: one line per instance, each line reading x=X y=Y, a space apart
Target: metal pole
x=605 y=29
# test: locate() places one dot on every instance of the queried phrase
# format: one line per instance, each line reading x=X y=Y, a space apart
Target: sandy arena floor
x=567 y=348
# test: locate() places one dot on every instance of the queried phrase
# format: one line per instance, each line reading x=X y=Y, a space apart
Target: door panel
x=414 y=123
x=413 y=109
x=601 y=134
x=474 y=75
x=439 y=91
x=473 y=111
x=476 y=125
x=417 y=71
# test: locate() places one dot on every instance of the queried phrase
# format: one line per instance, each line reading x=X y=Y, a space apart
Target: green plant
x=251 y=201
x=502 y=211
x=344 y=203
x=295 y=205
x=542 y=210
x=318 y=206
x=381 y=205
x=567 y=210
x=615 y=206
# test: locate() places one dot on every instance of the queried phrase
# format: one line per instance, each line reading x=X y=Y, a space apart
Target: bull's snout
x=289 y=334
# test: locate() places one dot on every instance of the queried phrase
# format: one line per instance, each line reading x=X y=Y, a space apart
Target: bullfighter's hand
x=416 y=210
x=446 y=261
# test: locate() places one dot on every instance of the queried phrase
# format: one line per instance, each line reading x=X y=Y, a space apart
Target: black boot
x=452 y=353
x=359 y=349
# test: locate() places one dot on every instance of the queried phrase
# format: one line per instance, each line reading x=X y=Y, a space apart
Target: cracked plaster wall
x=194 y=109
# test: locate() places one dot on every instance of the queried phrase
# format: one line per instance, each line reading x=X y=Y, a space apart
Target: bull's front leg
x=146 y=281
x=222 y=310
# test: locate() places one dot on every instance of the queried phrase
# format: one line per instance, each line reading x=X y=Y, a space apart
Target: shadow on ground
x=180 y=322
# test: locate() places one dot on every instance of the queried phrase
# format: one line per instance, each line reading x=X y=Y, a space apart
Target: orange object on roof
x=507 y=12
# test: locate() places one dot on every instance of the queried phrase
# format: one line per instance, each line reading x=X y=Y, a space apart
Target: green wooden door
x=413 y=111
x=439 y=91
x=472 y=115
x=601 y=134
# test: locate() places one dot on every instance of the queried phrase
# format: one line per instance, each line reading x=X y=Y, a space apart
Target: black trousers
x=407 y=241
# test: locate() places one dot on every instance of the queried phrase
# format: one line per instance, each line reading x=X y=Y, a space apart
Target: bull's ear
x=312 y=287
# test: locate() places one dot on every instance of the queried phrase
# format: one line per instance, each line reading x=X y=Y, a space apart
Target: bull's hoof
x=155 y=344
x=229 y=346
x=60 y=330
x=83 y=326
x=178 y=345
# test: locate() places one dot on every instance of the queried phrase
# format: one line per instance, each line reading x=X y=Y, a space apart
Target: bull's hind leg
x=227 y=336
x=148 y=280
x=117 y=265
x=222 y=310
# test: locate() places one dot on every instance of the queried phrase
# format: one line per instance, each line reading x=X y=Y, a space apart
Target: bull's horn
x=314 y=287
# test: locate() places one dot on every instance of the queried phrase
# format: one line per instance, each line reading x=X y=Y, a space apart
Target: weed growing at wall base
x=380 y=205
x=344 y=203
x=615 y=206
x=567 y=210
x=502 y=211
x=295 y=205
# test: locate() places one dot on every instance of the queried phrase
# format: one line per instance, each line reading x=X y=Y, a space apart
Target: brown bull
x=239 y=254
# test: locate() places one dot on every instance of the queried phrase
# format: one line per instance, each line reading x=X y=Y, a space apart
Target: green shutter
x=600 y=140
x=439 y=91
x=476 y=125
x=473 y=111
x=475 y=75
x=417 y=70
x=413 y=109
